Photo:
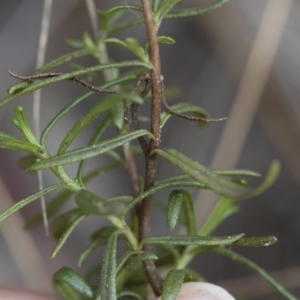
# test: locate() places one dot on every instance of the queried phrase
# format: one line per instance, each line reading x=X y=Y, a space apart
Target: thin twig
x=190 y=118
x=151 y=160
x=76 y=80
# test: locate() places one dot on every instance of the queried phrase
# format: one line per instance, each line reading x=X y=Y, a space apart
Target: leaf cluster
x=122 y=276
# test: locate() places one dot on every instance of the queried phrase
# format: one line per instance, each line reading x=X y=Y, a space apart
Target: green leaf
x=224 y=208
x=254 y=267
x=90 y=203
x=210 y=179
x=39 y=84
x=262 y=241
x=89 y=151
x=124 y=7
x=134 y=46
x=108 y=289
x=215 y=182
x=172 y=284
x=26 y=161
x=74 y=280
x=66 y=234
x=8 y=212
x=16 y=144
x=74 y=43
x=237 y=172
x=117 y=114
x=165 y=40
x=88 y=41
x=189 y=213
x=193 y=240
x=173 y=208
x=131 y=295
x=155 y=5
x=194 y=11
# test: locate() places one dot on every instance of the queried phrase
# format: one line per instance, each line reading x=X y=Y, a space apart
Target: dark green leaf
x=27 y=161
x=108 y=289
x=74 y=43
x=262 y=241
x=193 y=240
x=172 y=284
x=66 y=234
x=254 y=267
x=210 y=179
x=194 y=11
x=189 y=213
x=130 y=294
x=166 y=40
x=88 y=42
x=16 y=144
x=215 y=182
x=91 y=203
x=124 y=7
x=74 y=280
x=104 y=232
x=173 y=208
x=8 y=212
x=89 y=151
x=117 y=114
x=225 y=208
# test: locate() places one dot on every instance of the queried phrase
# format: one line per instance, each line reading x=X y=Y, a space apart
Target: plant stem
x=151 y=160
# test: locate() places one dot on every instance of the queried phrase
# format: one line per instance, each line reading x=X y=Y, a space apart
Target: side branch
x=76 y=80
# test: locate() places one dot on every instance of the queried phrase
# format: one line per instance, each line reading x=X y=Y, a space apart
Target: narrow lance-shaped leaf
x=39 y=84
x=8 y=212
x=74 y=280
x=172 y=284
x=130 y=294
x=262 y=241
x=108 y=289
x=89 y=151
x=194 y=11
x=124 y=7
x=216 y=182
x=173 y=208
x=254 y=267
x=193 y=240
x=66 y=234
x=93 y=113
x=189 y=213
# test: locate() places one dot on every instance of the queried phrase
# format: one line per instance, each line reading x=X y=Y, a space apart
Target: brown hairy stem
x=151 y=160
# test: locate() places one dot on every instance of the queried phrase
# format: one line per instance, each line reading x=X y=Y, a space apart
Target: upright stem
x=151 y=160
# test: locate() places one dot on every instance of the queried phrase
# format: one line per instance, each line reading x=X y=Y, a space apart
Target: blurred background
x=240 y=61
